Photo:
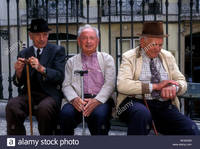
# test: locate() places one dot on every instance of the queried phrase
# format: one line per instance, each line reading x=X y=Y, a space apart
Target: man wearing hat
x=148 y=83
x=47 y=64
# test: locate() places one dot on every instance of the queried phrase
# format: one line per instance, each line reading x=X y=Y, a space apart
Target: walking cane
x=81 y=72
x=29 y=97
x=153 y=124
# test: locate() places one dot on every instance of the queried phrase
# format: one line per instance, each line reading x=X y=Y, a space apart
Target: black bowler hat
x=39 y=25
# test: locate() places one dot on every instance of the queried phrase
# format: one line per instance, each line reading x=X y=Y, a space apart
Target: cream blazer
x=128 y=76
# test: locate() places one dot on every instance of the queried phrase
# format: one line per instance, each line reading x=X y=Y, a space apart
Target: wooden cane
x=153 y=124
x=29 y=98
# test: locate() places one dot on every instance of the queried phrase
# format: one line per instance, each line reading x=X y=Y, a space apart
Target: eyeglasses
x=88 y=38
x=155 y=45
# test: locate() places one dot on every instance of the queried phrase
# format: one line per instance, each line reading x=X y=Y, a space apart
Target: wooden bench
x=116 y=124
x=192 y=94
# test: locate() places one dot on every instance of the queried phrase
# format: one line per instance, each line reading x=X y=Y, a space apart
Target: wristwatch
x=45 y=70
x=44 y=74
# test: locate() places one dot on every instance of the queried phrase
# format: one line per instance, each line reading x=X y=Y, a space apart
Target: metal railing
x=70 y=13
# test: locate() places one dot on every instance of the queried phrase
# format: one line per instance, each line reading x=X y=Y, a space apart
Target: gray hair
x=82 y=28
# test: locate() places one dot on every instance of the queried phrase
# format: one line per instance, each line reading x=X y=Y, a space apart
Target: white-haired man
x=98 y=86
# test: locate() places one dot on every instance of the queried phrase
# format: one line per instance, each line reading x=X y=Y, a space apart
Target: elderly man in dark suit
x=47 y=63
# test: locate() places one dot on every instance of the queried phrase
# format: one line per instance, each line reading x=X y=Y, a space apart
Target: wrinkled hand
x=92 y=103
x=164 y=83
x=168 y=92
x=33 y=61
x=78 y=103
x=19 y=65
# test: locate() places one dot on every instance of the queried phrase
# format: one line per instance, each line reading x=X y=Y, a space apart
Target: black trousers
x=43 y=107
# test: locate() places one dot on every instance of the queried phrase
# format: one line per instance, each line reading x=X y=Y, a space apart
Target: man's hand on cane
x=87 y=106
x=34 y=62
x=92 y=103
x=78 y=103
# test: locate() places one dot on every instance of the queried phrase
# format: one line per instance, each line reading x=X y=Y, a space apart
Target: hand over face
x=78 y=103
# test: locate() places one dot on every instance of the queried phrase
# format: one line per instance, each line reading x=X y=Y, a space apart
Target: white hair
x=82 y=28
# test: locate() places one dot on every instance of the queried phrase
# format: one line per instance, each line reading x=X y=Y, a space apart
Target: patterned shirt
x=145 y=75
x=94 y=80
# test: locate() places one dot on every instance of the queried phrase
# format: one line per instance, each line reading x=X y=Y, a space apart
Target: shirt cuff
x=150 y=87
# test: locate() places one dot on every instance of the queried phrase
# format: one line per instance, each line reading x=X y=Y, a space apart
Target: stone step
x=78 y=130
x=115 y=130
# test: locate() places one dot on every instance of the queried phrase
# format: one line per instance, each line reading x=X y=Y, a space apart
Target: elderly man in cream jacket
x=99 y=85
x=148 y=83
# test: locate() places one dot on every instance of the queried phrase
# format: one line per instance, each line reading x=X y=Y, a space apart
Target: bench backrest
x=193 y=90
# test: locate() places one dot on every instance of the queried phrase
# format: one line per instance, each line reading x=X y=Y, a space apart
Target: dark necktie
x=155 y=78
x=38 y=54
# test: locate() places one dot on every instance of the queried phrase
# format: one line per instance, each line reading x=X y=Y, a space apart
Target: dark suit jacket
x=53 y=59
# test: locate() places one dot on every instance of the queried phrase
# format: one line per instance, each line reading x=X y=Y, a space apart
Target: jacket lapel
x=138 y=64
x=79 y=65
x=165 y=65
x=101 y=61
x=45 y=55
x=30 y=52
